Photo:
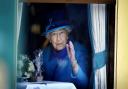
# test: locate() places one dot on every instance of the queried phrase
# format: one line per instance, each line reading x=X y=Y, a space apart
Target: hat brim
x=68 y=28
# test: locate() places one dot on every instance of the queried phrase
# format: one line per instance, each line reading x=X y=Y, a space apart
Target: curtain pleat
x=19 y=16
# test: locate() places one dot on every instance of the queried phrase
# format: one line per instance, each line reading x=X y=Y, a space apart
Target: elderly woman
x=63 y=60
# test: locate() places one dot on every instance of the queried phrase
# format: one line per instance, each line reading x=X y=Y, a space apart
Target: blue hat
x=57 y=22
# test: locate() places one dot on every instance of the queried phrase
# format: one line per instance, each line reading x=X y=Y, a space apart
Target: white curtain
x=19 y=16
x=97 y=15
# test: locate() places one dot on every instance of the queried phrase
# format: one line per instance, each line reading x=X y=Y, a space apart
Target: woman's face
x=59 y=39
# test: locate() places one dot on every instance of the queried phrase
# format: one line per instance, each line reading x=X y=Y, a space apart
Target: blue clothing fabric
x=57 y=66
x=61 y=54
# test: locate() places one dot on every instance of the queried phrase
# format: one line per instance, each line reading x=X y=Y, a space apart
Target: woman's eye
x=61 y=33
x=53 y=34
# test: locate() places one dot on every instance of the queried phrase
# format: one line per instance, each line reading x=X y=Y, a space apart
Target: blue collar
x=61 y=54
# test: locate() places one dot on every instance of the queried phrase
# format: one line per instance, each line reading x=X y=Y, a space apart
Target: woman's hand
x=71 y=54
x=71 y=51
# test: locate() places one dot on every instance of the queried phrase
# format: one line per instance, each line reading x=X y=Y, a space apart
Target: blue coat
x=60 y=69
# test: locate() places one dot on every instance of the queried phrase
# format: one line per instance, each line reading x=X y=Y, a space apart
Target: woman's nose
x=58 y=37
